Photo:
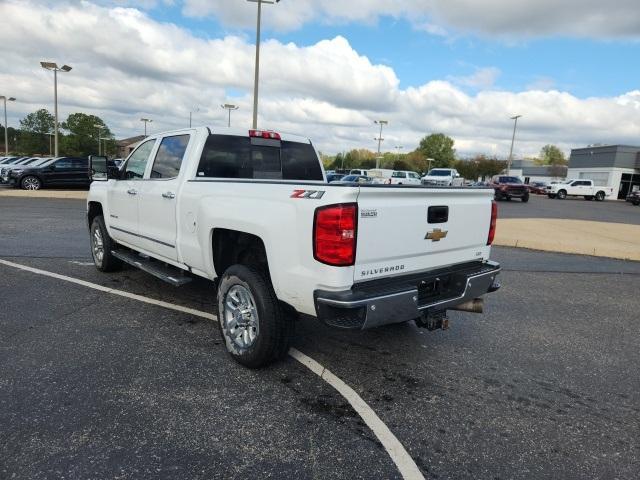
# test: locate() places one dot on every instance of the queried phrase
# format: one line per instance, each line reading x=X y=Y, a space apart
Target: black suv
x=65 y=171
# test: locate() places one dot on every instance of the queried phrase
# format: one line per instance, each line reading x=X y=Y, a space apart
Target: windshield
x=439 y=173
x=350 y=178
x=510 y=180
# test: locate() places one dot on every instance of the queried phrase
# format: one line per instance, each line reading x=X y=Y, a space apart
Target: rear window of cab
x=230 y=156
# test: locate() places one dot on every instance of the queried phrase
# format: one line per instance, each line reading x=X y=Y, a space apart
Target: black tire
x=600 y=196
x=497 y=196
x=551 y=195
x=561 y=195
x=588 y=197
x=107 y=263
x=525 y=199
x=507 y=198
x=636 y=203
x=30 y=182
x=274 y=325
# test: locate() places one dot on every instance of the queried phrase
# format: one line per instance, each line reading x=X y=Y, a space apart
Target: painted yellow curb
x=14 y=192
x=600 y=239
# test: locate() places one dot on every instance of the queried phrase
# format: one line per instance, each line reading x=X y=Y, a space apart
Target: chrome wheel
x=31 y=183
x=97 y=245
x=240 y=319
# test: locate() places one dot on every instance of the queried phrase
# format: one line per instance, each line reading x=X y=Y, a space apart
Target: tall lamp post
x=50 y=135
x=64 y=69
x=380 y=139
x=229 y=107
x=6 y=127
x=145 y=120
x=99 y=127
x=191 y=114
x=398 y=148
x=513 y=139
x=257 y=68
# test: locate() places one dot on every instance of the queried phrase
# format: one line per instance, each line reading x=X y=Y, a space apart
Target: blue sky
x=585 y=67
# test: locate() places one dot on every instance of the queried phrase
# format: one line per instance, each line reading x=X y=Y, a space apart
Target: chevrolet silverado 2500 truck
x=253 y=211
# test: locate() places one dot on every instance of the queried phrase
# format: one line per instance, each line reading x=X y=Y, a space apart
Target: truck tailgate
x=393 y=225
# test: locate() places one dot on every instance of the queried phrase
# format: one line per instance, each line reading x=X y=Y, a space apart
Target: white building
x=616 y=166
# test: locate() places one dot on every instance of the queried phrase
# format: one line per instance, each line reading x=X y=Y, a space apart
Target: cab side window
x=137 y=163
x=169 y=157
x=64 y=164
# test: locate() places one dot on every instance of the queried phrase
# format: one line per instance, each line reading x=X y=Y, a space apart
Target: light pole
x=64 y=69
x=99 y=127
x=398 y=148
x=380 y=139
x=190 y=114
x=430 y=160
x=257 y=68
x=229 y=107
x=6 y=127
x=145 y=120
x=513 y=139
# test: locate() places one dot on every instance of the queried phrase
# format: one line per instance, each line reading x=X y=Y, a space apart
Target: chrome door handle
x=132 y=191
x=169 y=195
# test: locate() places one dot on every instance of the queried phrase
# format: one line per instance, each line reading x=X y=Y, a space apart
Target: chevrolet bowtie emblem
x=436 y=235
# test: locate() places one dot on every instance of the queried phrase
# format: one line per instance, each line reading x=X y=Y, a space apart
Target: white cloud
x=481 y=79
x=505 y=18
x=127 y=66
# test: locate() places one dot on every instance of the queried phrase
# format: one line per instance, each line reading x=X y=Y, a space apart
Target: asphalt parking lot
x=543 y=385
x=539 y=206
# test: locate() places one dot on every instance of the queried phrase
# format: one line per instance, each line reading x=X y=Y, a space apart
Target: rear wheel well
x=231 y=247
x=95 y=209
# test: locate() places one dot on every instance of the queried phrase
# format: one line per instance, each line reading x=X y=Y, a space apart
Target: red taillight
x=264 y=134
x=335 y=229
x=494 y=219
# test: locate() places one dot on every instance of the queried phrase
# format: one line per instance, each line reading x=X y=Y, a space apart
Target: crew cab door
x=123 y=196
x=158 y=197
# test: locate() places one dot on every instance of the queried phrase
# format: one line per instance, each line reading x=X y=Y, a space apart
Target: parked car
x=334 y=177
x=442 y=177
x=357 y=171
x=404 y=177
x=634 y=197
x=252 y=209
x=539 y=188
x=506 y=187
x=65 y=171
x=579 y=188
x=354 y=179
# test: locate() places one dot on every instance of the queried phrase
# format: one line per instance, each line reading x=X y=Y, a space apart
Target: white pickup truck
x=253 y=211
x=578 y=188
x=442 y=177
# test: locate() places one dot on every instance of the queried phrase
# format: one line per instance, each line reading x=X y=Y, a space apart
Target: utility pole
x=257 y=67
x=229 y=107
x=64 y=69
x=145 y=120
x=513 y=139
x=6 y=126
x=380 y=139
x=190 y=114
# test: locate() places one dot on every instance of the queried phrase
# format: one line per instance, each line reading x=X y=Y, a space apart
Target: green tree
x=33 y=138
x=468 y=169
x=488 y=167
x=82 y=139
x=439 y=147
x=551 y=155
x=401 y=165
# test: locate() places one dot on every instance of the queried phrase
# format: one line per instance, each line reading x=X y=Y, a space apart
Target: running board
x=164 y=272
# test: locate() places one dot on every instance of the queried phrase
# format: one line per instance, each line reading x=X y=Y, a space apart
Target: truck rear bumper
x=399 y=299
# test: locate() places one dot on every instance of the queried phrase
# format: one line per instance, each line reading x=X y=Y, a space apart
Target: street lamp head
x=99 y=126
x=148 y=120
x=49 y=65
x=515 y=117
x=11 y=99
x=65 y=68
x=381 y=122
x=230 y=106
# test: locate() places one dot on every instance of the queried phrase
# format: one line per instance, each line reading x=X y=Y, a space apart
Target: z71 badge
x=310 y=194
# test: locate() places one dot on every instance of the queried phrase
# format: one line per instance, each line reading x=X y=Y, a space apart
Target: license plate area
x=440 y=287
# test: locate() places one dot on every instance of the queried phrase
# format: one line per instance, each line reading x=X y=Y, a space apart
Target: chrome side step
x=169 y=274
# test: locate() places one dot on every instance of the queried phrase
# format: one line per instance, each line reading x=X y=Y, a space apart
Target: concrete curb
x=75 y=194
x=600 y=239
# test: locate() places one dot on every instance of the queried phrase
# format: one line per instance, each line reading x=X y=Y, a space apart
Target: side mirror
x=100 y=169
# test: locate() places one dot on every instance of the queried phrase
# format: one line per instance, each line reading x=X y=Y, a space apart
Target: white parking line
x=407 y=467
